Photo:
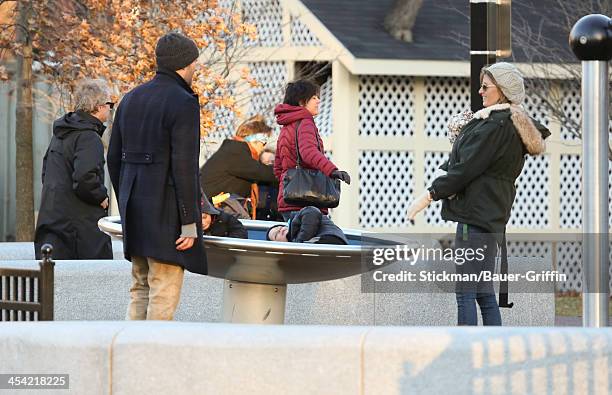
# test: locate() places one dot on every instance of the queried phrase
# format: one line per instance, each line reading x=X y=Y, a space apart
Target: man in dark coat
x=73 y=196
x=308 y=226
x=153 y=165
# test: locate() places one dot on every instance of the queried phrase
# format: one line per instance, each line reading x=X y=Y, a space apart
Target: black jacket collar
x=75 y=122
x=174 y=75
x=98 y=125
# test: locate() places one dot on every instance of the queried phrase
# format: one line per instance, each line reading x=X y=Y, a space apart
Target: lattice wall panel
x=386 y=106
x=571 y=107
x=433 y=160
x=531 y=208
x=385 y=188
x=533 y=249
x=267 y=16
x=301 y=35
x=225 y=124
x=533 y=103
x=569 y=262
x=571 y=192
x=324 y=119
x=570 y=210
x=272 y=77
x=444 y=97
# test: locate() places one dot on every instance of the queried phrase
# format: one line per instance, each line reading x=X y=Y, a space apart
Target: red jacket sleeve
x=278 y=165
x=311 y=156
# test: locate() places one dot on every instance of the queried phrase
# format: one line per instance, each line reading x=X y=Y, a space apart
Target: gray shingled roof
x=441 y=31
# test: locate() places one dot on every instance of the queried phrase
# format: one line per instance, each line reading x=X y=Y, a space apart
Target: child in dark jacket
x=308 y=225
x=219 y=223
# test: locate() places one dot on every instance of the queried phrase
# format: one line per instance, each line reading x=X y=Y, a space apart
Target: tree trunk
x=23 y=132
x=400 y=19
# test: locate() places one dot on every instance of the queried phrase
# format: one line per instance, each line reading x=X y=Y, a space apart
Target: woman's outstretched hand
x=341 y=175
x=419 y=204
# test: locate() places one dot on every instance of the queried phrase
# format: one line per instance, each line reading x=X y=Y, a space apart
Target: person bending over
x=308 y=226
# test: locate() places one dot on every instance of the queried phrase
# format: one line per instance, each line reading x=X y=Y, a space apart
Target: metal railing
x=27 y=294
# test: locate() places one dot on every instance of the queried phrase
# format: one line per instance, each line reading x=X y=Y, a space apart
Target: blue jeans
x=468 y=293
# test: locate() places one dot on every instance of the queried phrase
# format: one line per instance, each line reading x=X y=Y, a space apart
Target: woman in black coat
x=235 y=167
x=74 y=197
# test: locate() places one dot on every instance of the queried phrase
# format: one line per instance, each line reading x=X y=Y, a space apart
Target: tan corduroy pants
x=156 y=289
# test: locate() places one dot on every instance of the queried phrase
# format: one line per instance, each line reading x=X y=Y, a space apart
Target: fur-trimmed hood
x=531 y=135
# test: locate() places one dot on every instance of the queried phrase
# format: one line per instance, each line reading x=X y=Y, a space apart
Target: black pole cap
x=46 y=250
x=591 y=38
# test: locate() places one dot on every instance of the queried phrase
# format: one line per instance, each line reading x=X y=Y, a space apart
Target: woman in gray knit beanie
x=478 y=188
x=506 y=78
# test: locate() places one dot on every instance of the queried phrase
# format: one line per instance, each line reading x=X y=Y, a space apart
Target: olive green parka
x=485 y=161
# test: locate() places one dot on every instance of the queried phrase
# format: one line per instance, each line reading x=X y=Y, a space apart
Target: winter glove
x=341 y=175
x=419 y=204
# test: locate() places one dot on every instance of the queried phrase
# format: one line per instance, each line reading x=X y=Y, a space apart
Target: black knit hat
x=269 y=229
x=175 y=51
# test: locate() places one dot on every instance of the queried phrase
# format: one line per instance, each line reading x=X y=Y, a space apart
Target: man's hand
x=184 y=243
x=419 y=204
x=104 y=204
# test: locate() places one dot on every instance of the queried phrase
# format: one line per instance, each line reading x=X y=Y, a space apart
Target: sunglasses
x=484 y=87
x=111 y=105
x=259 y=137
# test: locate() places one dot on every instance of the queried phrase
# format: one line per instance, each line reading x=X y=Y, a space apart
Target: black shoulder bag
x=309 y=187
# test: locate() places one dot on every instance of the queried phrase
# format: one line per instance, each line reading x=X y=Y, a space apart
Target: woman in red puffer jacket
x=301 y=103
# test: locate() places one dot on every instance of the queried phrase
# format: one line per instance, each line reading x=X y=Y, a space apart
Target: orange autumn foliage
x=115 y=40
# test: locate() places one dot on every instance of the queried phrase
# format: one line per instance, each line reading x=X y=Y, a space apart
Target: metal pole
x=595 y=193
x=482 y=47
x=591 y=42
x=250 y=303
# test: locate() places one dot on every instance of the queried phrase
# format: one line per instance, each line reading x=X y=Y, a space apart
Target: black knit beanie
x=269 y=229
x=175 y=51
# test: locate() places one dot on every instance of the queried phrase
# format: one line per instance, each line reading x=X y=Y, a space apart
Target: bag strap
x=297 y=147
x=503 y=285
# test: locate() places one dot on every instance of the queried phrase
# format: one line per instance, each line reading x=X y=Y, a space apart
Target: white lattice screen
x=272 y=78
x=433 y=160
x=444 y=97
x=531 y=208
x=225 y=126
x=570 y=210
x=569 y=257
x=386 y=106
x=571 y=106
x=569 y=262
x=324 y=119
x=301 y=36
x=533 y=104
x=267 y=16
x=385 y=187
x=538 y=249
